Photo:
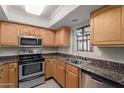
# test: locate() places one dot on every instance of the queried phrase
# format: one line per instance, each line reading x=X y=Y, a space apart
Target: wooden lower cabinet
x=72 y=76
x=47 y=69
x=60 y=71
x=54 y=69
x=66 y=75
x=4 y=76
x=13 y=75
x=72 y=80
x=8 y=75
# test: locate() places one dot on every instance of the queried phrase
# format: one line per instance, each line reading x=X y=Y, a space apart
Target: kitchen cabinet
x=8 y=75
x=72 y=76
x=107 y=26
x=13 y=75
x=47 y=69
x=4 y=76
x=60 y=73
x=65 y=74
x=62 y=37
x=54 y=69
x=57 y=38
x=9 y=34
x=49 y=38
x=25 y=30
x=36 y=32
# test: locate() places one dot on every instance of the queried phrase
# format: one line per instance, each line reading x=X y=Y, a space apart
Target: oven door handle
x=32 y=63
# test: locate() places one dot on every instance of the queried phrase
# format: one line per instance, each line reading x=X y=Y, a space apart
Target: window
x=83 y=39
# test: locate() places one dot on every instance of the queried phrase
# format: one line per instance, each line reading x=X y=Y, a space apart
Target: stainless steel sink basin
x=75 y=60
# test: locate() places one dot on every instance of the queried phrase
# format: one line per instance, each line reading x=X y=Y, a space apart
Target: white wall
x=110 y=54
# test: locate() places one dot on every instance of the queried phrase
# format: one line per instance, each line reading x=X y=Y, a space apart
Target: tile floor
x=49 y=84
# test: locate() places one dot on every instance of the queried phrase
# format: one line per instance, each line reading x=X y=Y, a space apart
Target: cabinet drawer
x=72 y=68
x=61 y=64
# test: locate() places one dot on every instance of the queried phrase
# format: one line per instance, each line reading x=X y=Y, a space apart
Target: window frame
x=87 y=35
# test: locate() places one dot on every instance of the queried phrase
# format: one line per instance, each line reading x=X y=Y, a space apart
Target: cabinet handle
x=14 y=70
x=1 y=70
x=0 y=77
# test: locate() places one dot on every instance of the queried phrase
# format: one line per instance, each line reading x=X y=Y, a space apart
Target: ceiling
x=80 y=14
x=47 y=12
x=53 y=16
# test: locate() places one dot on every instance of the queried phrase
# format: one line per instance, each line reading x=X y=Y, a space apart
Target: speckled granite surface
x=7 y=59
x=109 y=70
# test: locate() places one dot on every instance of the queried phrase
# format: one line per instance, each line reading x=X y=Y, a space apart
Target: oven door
x=30 y=70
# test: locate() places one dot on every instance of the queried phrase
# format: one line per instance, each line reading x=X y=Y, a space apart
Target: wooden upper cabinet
x=36 y=32
x=25 y=30
x=9 y=34
x=57 y=38
x=62 y=36
x=48 y=38
x=107 y=26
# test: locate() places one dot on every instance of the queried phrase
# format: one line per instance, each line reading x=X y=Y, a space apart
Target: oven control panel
x=30 y=51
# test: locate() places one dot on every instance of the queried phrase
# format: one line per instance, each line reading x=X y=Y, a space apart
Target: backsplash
x=7 y=51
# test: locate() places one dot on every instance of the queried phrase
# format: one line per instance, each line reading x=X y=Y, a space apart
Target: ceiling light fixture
x=35 y=9
x=75 y=20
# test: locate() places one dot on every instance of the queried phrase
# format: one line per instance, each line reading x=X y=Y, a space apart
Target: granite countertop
x=109 y=70
x=106 y=69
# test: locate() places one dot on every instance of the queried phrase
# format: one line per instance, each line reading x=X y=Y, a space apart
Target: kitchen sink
x=78 y=61
x=75 y=61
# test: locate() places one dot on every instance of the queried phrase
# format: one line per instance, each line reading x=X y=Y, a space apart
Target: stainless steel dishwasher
x=93 y=81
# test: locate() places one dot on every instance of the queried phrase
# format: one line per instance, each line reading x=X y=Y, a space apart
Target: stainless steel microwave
x=30 y=41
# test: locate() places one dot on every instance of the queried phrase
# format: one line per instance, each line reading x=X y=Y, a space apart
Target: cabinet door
x=54 y=69
x=9 y=34
x=47 y=69
x=57 y=38
x=62 y=37
x=106 y=25
x=48 y=38
x=51 y=38
x=72 y=80
x=61 y=75
x=4 y=76
x=25 y=30
x=36 y=32
x=13 y=75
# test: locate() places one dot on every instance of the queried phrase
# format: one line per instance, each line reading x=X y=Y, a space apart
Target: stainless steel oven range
x=31 y=69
